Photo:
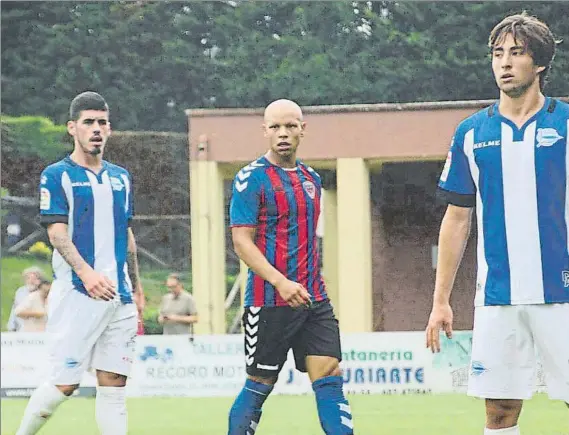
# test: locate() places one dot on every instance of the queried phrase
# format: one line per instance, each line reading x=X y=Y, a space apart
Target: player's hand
x=98 y=285
x=440 y=318
x=293 y=293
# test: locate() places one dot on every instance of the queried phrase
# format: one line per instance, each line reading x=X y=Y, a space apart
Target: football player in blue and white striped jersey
x=86 y=203
x=511 y=162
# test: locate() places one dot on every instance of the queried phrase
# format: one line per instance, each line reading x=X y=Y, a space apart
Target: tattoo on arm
x=64 y=245
x=132 y=261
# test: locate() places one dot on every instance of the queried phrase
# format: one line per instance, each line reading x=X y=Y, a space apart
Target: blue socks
x=333 y=408
x=246 y=410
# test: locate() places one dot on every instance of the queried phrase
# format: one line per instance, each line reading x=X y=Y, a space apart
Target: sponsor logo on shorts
x=477 y=368
x=71 y=363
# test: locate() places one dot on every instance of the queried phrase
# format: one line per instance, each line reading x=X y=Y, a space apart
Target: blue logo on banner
x=151 y=352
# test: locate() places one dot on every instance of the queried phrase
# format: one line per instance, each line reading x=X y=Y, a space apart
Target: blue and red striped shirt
x=284 y=206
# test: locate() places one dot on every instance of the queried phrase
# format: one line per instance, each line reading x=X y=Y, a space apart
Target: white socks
x=40 y=407
x=515 y=430
x=110 y=410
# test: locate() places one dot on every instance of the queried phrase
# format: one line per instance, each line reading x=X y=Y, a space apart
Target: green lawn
x=285 y=415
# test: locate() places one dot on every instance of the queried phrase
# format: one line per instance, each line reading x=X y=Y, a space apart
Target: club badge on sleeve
x=446 y=168
x=45 y=199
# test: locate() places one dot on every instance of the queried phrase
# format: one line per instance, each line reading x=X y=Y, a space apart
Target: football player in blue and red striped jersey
x=274 y=211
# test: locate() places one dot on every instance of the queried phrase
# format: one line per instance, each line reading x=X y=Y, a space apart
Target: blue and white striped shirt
x=518 y=179
x=97 y=209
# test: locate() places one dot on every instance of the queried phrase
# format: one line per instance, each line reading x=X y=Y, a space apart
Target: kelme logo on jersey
x=309 y=188
x=116 y=184
x=546 y=137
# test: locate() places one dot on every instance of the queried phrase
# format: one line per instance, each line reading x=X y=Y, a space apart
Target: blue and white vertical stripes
x=97 y=209
x=519 y=179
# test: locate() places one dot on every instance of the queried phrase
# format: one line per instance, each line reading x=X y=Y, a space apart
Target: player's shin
x=43 y=402
x=110 y=410
x=246 y=412
x=333 y=408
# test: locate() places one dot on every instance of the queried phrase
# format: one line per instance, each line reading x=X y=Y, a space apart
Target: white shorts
x=88 y=334
x=505 y=342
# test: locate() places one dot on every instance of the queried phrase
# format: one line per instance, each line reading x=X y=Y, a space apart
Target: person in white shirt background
x=33 y=276
x=32 y=311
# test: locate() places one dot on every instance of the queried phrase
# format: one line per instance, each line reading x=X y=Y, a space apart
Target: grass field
x=285 y=415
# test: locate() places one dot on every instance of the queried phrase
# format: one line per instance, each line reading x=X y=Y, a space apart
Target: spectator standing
x=32 y=311
x=33 y=276
x=178 y=310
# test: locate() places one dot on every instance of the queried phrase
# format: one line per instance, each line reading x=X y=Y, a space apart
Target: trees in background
x=152 y=60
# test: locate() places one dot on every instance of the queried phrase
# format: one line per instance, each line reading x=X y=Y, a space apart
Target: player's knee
x=262 y=380
x=336 y=371
x=501 y=413
x=320 y=367
x=109 y=379
x=67 y=389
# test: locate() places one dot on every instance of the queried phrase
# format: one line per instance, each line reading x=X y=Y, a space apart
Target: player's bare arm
x=244 y=243
x=453 y=236
x=97 y=285
x=133 y=271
